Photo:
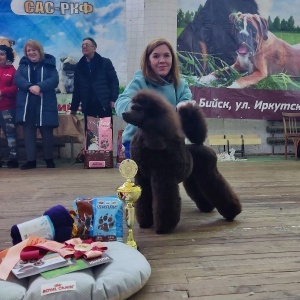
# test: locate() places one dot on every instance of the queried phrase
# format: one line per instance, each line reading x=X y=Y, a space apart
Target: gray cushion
x=116 y=280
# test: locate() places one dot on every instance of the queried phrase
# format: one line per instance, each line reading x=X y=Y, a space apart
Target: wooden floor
x=255 y=257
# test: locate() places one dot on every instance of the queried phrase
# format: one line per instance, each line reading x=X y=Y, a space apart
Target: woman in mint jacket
x=160 y=72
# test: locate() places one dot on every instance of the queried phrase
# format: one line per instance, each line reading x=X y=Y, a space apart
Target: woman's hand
x=36 y=90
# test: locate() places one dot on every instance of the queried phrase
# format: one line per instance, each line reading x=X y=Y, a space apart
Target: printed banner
x=242 y=57
x=245 y=104
x=60 y=26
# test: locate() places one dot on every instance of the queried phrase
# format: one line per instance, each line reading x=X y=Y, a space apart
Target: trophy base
x=132 y=244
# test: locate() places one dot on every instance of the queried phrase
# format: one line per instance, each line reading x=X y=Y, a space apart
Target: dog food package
x=120 y=148
x=108 y=219
x=105 y=138
x=94 y=159
x=98 y=145
x=91 y=135
x=84 y=217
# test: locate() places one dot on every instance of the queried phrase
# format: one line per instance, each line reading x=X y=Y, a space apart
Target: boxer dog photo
x=209 y=36
x=66 y=75
x=259 y=53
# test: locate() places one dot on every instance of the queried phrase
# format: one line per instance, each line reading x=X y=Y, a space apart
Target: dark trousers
x=7 y=123
x=30 y=141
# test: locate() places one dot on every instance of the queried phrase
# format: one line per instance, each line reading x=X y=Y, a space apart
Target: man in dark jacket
x=96 y=85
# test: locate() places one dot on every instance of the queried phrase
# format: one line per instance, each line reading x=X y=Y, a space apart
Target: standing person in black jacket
x=96 y=85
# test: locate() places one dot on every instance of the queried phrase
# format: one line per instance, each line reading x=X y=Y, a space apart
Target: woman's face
x=33 y=54
x=3 y=58
x=161 y=60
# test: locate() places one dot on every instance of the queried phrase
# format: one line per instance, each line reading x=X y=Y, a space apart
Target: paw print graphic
x=106 y=222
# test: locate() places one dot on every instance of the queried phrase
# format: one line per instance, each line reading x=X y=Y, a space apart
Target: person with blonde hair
x=36 y=79
x=159 y=72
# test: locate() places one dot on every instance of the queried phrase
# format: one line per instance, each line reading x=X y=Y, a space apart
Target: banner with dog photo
x=241 y=56
x=60 y=27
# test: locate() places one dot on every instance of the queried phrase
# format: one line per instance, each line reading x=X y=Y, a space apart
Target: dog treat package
x=84 y=217
x=108 y=219
x=98 y=143
x=120 y=148
x=99 y=218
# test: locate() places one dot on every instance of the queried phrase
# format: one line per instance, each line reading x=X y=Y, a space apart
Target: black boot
x=50 y=163
x=31 y=164
x=12 y=164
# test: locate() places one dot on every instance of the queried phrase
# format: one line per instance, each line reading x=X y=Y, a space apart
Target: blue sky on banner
x=273 y=8
x=61 y=30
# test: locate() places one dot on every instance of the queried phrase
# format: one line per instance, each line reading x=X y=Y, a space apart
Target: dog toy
x=57 y=219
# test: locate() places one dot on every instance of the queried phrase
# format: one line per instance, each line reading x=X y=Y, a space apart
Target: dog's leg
x=143 y=207
x=194 y=191
x=213 y=185
x=166 y=203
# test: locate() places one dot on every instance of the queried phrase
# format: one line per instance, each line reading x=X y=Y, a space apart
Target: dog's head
x=156 y=118
x=10 y=43
x=251 y=30
x=7 y=42
x=68 y=65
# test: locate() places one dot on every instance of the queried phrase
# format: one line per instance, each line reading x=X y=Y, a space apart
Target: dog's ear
x=264 y=28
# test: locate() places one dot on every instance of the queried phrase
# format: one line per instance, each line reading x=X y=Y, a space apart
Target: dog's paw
x=207 y=79
x=234 y=85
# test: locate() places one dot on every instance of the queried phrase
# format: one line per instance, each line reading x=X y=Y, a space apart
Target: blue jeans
x=7 y=123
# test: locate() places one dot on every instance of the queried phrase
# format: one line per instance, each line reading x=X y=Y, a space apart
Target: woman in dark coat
x=36 y=79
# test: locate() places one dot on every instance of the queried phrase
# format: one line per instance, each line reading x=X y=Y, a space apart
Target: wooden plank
x=234 y=140
x=252 y=141
x=233 y=136
x=217 y=142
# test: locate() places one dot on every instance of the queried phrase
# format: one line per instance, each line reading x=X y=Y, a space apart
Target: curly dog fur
x=164 y=160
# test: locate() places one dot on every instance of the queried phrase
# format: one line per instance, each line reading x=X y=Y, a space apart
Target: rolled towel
x=56 y=224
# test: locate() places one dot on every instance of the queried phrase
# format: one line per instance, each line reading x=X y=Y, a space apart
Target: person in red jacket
x=8 y=92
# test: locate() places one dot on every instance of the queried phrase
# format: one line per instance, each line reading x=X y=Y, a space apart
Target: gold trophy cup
x=129 y=193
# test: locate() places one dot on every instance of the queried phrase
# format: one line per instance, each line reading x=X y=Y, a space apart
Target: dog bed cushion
x=116 y=280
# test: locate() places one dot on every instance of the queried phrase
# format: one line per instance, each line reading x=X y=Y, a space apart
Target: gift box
x=98 y=143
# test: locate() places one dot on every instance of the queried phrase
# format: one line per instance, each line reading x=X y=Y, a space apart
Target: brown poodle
x=164 y=160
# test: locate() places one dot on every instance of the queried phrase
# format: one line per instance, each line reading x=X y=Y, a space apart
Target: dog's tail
x=193 y=123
